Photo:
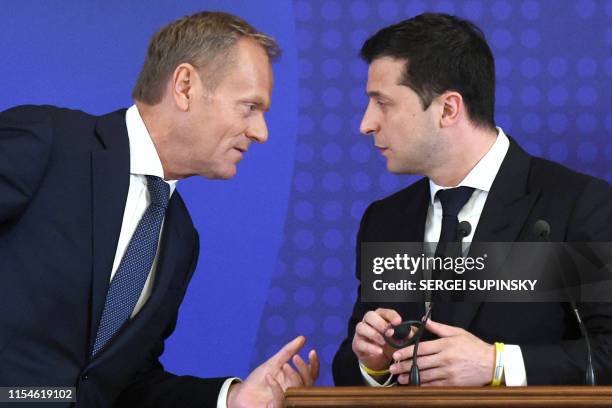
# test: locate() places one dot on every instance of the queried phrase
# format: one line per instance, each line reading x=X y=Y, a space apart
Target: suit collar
x=111 y=130
x=144 y=159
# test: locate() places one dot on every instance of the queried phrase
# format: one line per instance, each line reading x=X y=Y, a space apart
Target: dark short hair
x=205 y=40
x=442 y=53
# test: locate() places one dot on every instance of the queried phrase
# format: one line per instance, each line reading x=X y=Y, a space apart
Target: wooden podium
x=464 y=397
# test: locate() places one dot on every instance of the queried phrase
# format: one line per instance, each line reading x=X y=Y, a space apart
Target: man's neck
x=469 y=148
x=157 y=125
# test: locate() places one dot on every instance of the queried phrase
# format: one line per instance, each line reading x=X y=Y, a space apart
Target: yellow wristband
x=374 y=372
x=498 y=370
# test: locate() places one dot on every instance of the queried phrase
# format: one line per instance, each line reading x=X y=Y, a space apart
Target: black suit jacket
x=526 y=189
x=64 y=177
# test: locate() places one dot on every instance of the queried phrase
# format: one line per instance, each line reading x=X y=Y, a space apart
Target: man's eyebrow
x=376 y=94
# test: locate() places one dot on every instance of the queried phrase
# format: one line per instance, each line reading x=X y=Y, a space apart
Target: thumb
x=441 y=329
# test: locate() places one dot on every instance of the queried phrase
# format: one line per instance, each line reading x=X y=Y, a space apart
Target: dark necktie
x=128 y=282
x=452 y=200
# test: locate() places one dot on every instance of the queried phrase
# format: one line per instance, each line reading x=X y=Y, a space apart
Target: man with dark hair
x=96 y=245
x=431 y=89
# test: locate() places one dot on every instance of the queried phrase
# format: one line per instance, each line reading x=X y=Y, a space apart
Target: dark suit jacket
x=526 y=189
x=64 y=177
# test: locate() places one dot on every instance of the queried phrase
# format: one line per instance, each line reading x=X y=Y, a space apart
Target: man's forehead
x=385 y=71
x=249 y=74
x=387 y=64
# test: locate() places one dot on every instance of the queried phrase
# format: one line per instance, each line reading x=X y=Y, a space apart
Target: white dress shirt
x=480 y=178
x=144 y=161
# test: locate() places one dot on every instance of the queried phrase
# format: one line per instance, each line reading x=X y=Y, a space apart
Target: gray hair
x=204 y=40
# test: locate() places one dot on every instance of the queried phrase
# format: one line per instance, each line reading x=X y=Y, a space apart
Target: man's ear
x=184 y=79
x=452 y=106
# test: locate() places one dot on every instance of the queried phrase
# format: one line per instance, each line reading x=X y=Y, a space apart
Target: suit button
x=84 y=377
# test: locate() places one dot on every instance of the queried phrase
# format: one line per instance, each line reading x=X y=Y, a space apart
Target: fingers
x=361 y=346
x=292 y=378
x=368 y=332
x=403 y=379
x=436 y=377
x=268 y=382
x=390 y=315
x=303 y=370
x=289 y=350
x=313 y=359
x=381 y=319
x=406 y=352
x=425 y=348
x=428 y=377
x=280 y=378
x=425 y=363
x=304 y=375
x=278 y=395
x=369 y=340
x=443 y=330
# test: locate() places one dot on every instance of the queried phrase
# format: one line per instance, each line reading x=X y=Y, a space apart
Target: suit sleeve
x=564 y=362
x=345 y=366
x=155 y=387
x=26 y=134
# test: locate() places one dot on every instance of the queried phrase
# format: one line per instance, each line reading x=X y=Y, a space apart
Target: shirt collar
x=483 y=174
x=144 y=159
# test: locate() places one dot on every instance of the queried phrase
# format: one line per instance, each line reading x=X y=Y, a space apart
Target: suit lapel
x=509 y=201
x=110 y=182
x=503 y=218
x=415 y=206
x=411 y=228
x=175 y=247
x=173 y=258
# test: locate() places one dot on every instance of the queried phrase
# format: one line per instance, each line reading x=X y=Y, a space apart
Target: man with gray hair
x=96 y=245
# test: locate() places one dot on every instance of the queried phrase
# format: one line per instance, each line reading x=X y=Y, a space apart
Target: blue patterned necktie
x=129 y=280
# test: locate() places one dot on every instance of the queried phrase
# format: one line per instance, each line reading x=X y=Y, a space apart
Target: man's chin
x=228 y=174
x=393 y=168
x=222 y=174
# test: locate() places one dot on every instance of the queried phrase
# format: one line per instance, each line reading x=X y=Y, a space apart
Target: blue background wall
x=277 y=241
